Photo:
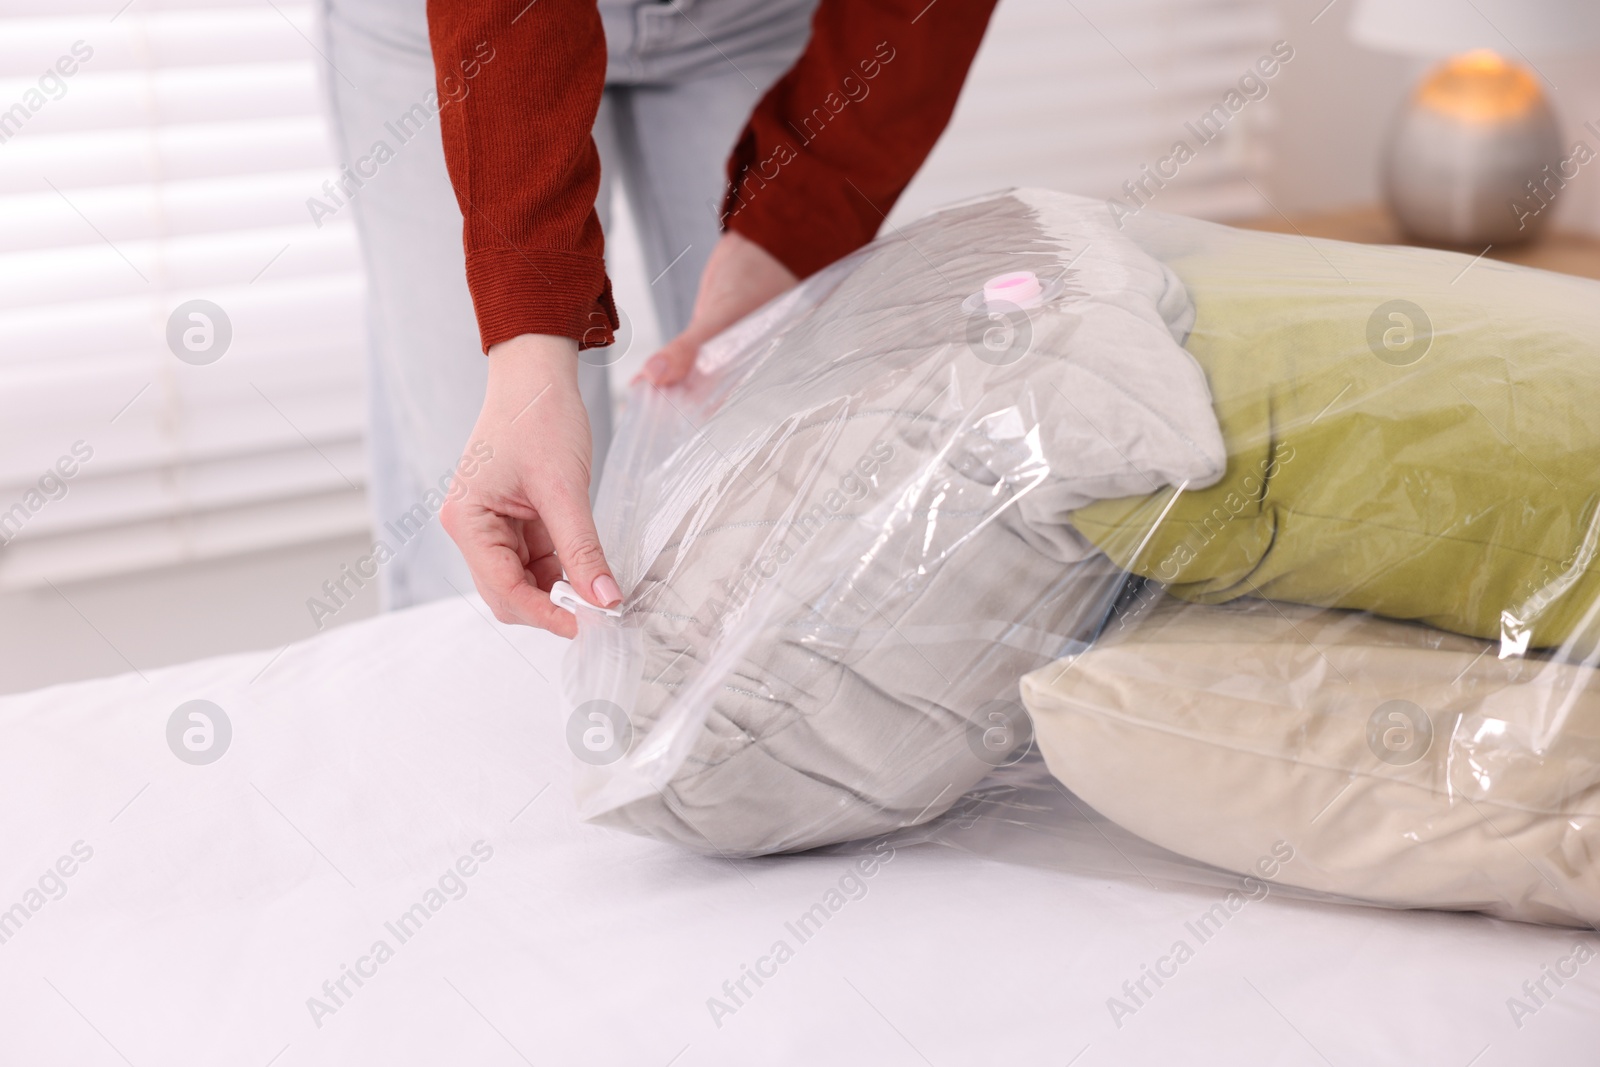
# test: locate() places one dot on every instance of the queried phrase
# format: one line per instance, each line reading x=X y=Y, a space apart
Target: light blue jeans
x=682 y=79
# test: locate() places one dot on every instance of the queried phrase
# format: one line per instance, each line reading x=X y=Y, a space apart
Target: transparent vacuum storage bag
x=1280 y=552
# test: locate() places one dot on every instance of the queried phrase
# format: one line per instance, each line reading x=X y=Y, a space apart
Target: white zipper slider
x=562 y=595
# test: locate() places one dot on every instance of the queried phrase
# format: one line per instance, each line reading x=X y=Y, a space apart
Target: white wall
x=1081 y=96
x=1333 y=109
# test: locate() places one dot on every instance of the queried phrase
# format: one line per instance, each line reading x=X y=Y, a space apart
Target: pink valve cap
x=1020 y=288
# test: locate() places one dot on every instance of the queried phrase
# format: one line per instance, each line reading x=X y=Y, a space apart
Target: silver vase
x=1456 y=170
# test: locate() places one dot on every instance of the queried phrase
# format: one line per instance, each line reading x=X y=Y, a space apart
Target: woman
x=532 y=96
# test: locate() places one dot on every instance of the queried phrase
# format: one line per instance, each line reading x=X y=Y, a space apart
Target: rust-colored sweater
x=825 y=155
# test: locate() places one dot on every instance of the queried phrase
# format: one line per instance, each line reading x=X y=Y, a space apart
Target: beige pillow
x=1402 y=765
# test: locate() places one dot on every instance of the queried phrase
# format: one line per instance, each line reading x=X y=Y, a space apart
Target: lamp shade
x=1444 y=27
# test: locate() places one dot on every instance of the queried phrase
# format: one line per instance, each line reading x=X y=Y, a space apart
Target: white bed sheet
x=219 y=898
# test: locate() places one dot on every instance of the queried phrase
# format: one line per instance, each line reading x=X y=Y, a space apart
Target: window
x=151 y=158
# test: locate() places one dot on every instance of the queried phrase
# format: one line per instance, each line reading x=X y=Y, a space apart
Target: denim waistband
x=652 y=41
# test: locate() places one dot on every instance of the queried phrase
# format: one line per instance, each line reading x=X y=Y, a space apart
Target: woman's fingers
x=739 y=277
x=490 y=544
x=673 y=363
x=532 y=606
x=564 y=509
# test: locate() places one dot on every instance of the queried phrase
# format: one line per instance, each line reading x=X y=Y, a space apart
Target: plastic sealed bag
x=1255 y=515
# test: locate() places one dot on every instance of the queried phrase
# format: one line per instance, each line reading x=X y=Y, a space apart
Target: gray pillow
x=845 y=544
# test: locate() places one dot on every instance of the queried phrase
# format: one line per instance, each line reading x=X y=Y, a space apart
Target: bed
x=223 y=912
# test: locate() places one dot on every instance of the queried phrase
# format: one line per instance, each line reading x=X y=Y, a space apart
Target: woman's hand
x=526 y=515
x=740 y=276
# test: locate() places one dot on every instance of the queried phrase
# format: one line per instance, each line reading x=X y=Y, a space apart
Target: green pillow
x=1410 y=432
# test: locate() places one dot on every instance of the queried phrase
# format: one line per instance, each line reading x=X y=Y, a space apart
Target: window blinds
x=150 y=158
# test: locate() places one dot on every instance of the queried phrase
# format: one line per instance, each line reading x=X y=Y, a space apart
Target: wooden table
x=1570 y=253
